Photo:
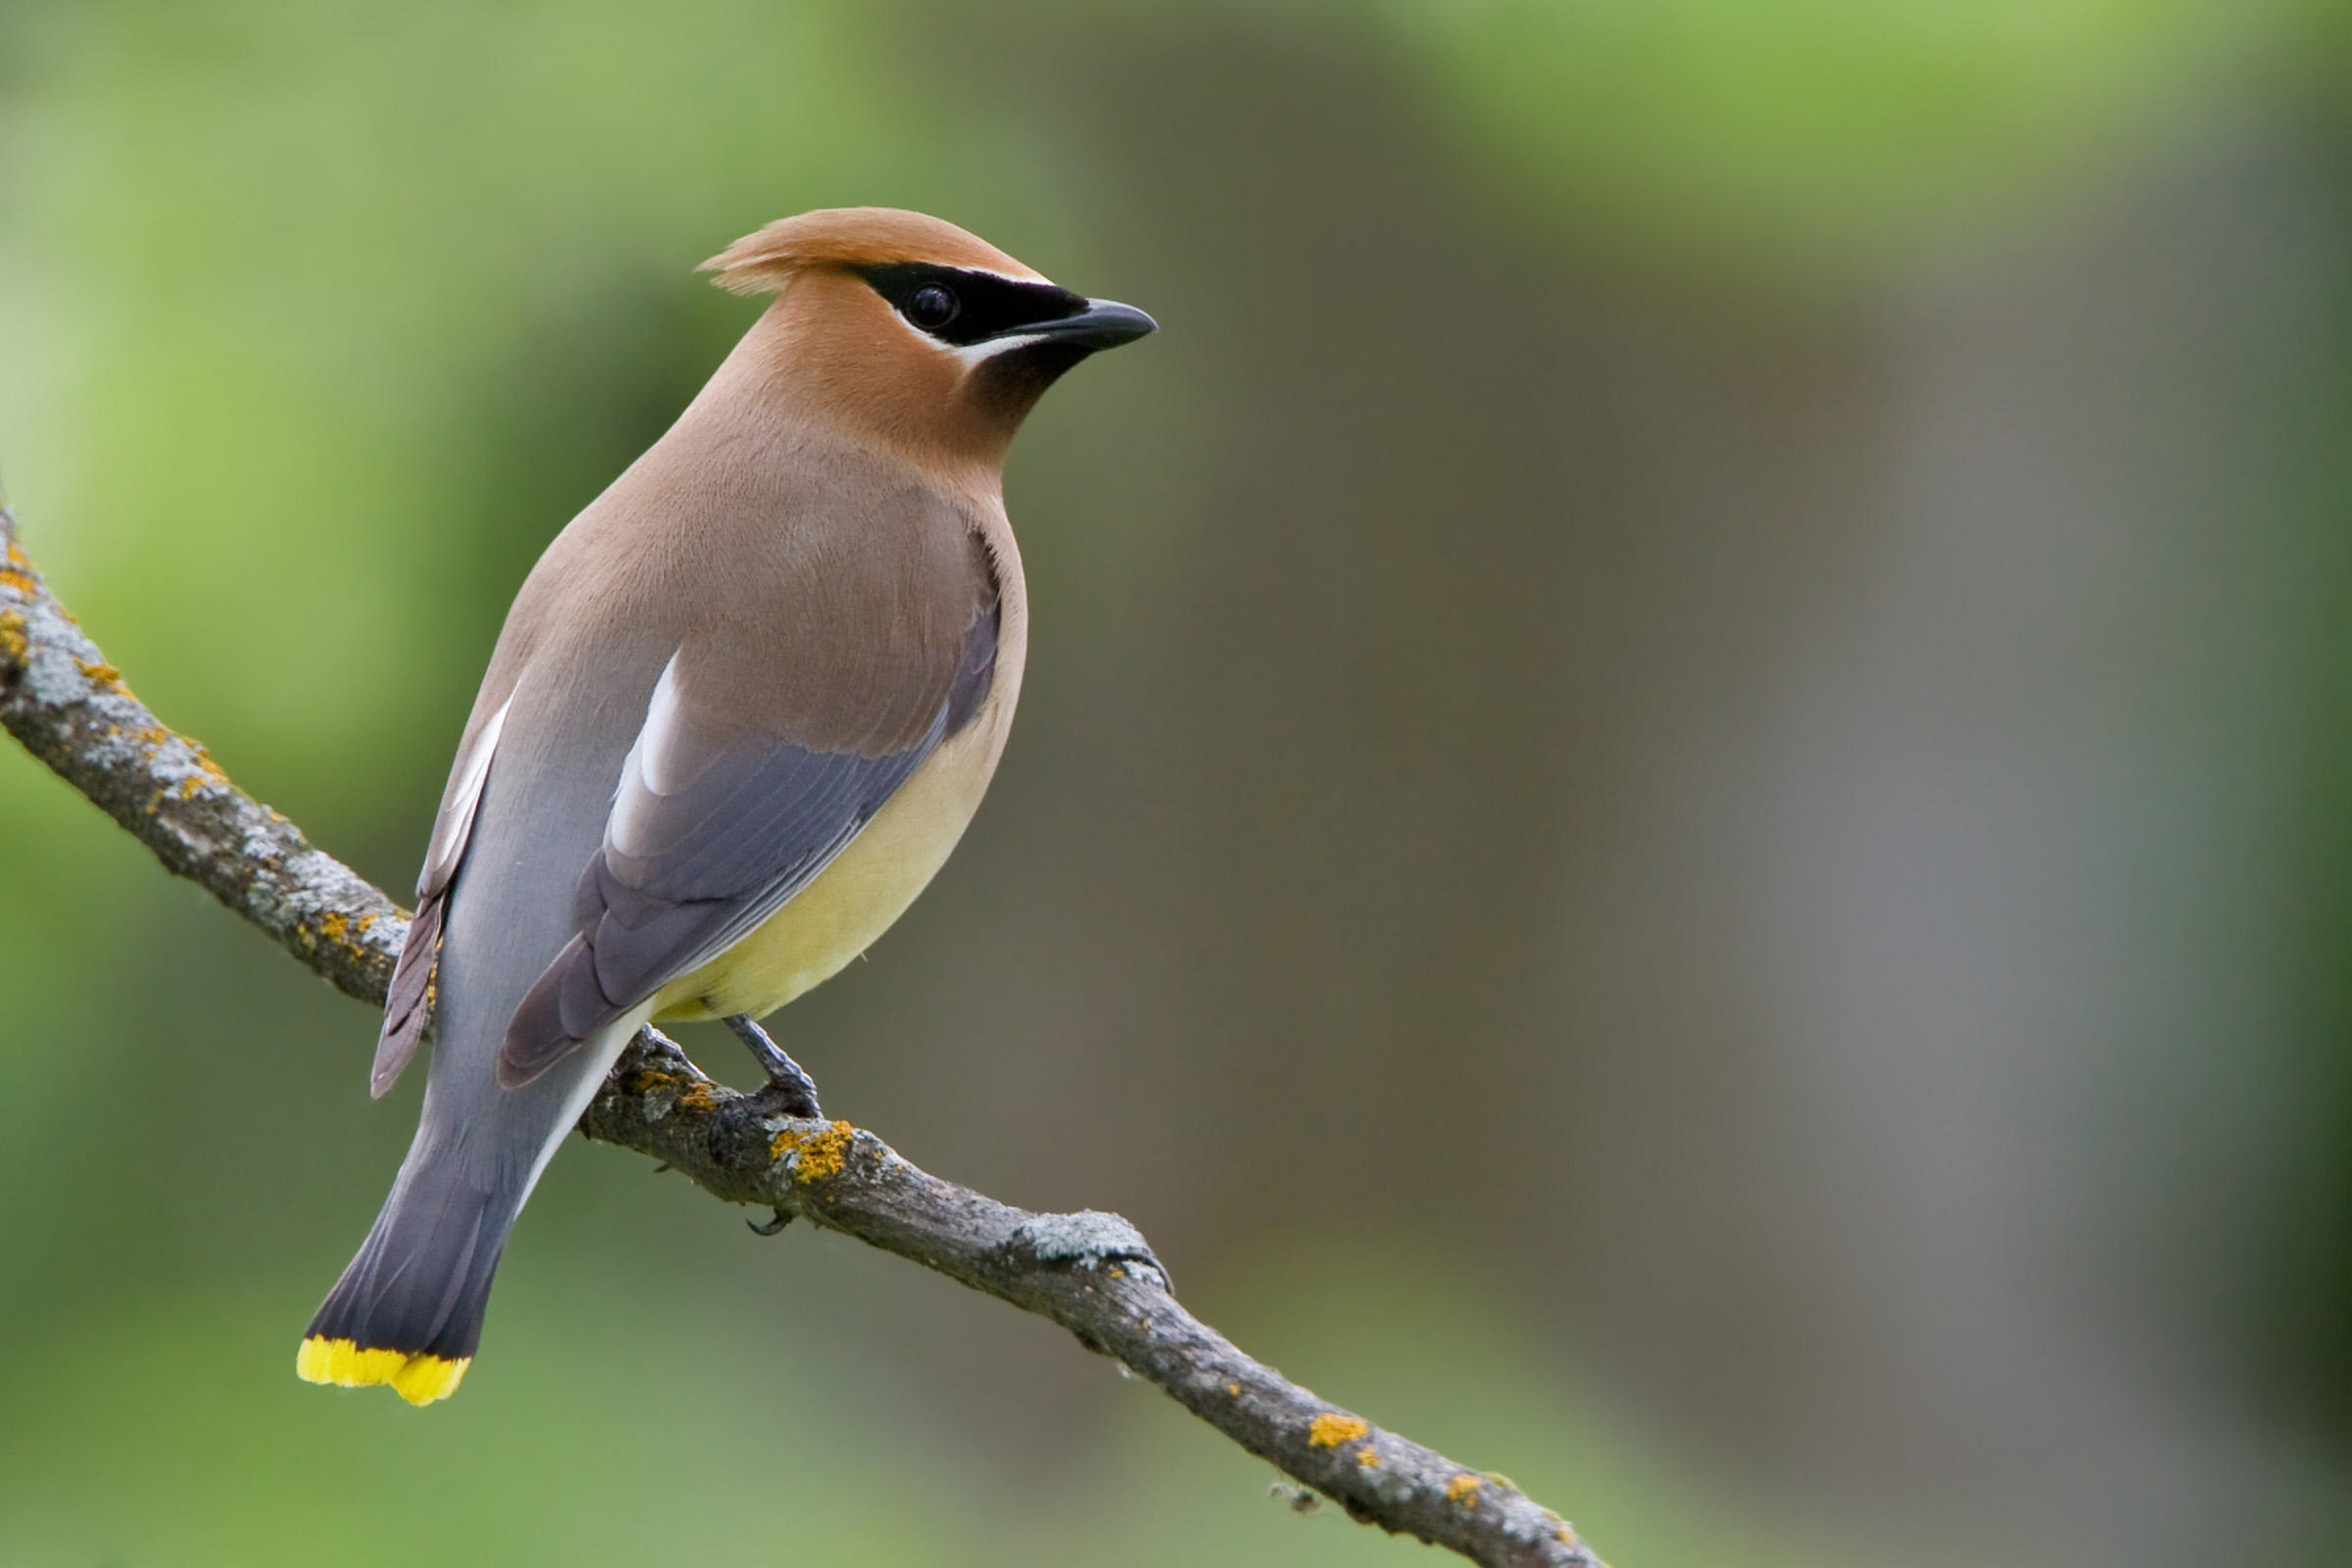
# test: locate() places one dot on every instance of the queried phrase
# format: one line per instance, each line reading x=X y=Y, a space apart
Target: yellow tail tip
x=419 y=1379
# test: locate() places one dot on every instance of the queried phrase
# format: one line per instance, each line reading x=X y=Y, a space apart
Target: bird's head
x=912 y=332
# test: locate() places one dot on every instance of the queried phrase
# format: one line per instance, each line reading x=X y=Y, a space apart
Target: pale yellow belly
x=855 y=899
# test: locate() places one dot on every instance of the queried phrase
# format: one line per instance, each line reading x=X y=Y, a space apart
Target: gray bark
x=1092 y=1273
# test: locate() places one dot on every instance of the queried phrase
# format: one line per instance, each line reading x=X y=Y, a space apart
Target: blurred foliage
x=316 y=320
x=1821 y=138
x=698 y=1445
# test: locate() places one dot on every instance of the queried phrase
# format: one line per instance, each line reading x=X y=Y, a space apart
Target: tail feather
x=408 y=1310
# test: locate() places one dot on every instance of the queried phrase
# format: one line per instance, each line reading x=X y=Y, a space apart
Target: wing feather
x=407 y=1009
x=714 y=828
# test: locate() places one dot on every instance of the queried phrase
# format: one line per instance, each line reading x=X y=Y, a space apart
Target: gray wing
x=713 y=829
x=404 y=1010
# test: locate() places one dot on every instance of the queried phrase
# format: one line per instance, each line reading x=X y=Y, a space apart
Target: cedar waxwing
x=739 y=715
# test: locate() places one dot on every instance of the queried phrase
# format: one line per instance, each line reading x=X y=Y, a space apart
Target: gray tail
x=408 y=1310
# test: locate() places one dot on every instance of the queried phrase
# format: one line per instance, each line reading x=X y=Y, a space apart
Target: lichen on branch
x=71 y=707
x=1092 y=1273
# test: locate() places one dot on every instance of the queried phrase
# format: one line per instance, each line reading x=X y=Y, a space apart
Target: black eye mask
x=960 y=307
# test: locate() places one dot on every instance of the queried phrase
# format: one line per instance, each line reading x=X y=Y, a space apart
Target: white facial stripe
x=970 y=354
x=989 y=347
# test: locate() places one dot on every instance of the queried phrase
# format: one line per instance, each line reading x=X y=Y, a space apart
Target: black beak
x=1103 y=324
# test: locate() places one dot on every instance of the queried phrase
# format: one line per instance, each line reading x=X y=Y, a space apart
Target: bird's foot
x=789 y=1085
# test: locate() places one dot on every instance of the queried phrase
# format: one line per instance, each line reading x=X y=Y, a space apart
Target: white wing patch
x=670 y=754
x=456 y=822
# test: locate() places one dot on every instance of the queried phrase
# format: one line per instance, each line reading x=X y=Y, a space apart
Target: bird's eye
x=933 y=306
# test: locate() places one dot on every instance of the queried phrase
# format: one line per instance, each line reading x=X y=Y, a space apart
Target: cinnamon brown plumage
x=741 y=710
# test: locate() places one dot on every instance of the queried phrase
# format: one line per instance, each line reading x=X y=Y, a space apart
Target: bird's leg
x=795 y=1090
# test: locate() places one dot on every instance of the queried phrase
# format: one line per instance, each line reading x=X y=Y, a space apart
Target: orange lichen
x=1367 y=1458
x=333 y=923
x=645 y=1081
x=99 y=670
x=1463 y=1489
x=1235 y=1389
x=1330 y=1429
x=12 y=634
x=19 y=573
x=207 y=771
x=695 y=1094
x=820 y=1154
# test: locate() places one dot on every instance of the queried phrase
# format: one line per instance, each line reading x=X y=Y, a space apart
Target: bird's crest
x=762 y=263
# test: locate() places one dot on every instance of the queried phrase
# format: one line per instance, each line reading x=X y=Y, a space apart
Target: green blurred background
x=1679 y=824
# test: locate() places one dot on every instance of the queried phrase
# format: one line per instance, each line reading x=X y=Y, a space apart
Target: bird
x=740 y=713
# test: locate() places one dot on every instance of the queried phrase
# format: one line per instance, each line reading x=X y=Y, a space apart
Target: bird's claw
x=789 y=1088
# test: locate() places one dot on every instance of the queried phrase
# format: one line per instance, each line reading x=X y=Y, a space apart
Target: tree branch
x=1092 y=1273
